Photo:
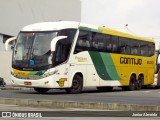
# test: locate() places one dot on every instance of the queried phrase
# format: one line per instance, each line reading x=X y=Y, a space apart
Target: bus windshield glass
x=32 y=50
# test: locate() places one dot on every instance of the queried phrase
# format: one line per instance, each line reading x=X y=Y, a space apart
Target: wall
x=5 y=66
x=16 y=14
x=1 y=42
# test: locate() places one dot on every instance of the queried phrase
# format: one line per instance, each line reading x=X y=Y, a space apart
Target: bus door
x=61 y=56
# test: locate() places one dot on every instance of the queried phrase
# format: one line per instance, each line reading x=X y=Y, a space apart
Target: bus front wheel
x=77 y=85
x=41 y=90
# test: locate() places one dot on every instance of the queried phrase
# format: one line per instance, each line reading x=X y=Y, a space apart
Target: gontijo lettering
x=128 y=60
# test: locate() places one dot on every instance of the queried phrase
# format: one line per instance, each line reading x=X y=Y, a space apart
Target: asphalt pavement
x=90 y=98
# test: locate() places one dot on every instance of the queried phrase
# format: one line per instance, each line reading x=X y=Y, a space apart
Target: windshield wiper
x=28 y=53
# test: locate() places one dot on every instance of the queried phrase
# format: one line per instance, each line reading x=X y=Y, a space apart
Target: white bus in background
x=157 y=70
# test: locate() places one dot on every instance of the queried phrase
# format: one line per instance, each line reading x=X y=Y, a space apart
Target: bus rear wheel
x=132 y=84
x=41 y=90
x=139 y=83
x=77 y=85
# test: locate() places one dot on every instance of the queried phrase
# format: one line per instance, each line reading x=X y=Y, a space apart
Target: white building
x=14 y=14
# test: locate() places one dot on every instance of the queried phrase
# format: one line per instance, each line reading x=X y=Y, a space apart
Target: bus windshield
x=32 y=50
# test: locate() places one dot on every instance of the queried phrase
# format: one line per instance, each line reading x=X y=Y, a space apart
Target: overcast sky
x=142 y=16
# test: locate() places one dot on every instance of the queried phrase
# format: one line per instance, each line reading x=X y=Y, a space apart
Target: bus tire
x=104 y=89
x=77 y=85
x=139 y=83
x=131 y=86
x=132 y=83
x=41 y=90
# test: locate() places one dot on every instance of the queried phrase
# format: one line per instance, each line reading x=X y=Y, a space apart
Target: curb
x=72 y=104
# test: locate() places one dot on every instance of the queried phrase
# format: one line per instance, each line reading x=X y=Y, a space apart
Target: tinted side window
x=124 y=47
x=63 y=46
x=61 y=51
x=151 y=49
x=108 y=43
x=144 y=49
x=134 y=47
x=99 y=42
x=83 y=41
x=114 y=44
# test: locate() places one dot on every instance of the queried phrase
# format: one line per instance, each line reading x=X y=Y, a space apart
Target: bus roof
x=122 y=34
x=109 y=31
x=52 y=26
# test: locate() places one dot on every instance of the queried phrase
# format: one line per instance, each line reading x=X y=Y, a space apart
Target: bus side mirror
x=55 y=40
x=8 y=41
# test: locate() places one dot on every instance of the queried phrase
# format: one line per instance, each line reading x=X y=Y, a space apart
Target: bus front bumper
x=47 y=82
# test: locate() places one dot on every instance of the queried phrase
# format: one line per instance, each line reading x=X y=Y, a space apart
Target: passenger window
x=108 y=43
x=124 y=46
x=134 y=47
x=144 y=49
x=83 y=41
x=99 y=42
x=114 y=44
x=151 y=49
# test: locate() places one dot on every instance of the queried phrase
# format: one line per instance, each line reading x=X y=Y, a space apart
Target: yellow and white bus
x=71 y=55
